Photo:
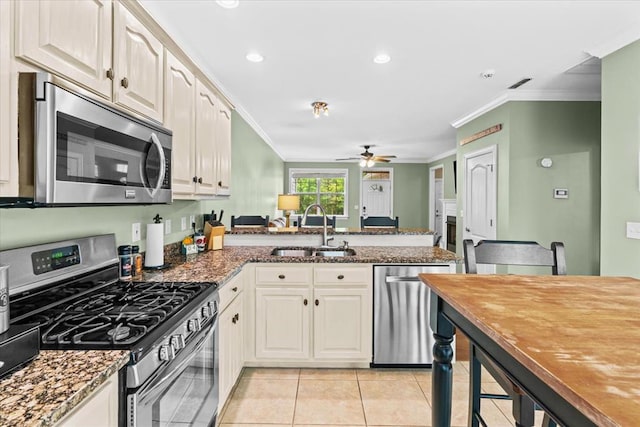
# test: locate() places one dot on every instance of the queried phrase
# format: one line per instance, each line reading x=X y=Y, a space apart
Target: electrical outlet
x=192 y=220
x=167 y=226
x=135 y=232
x=183 y=223
x=633 y=230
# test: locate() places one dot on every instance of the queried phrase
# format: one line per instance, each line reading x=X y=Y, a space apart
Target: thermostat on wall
x=560 y=193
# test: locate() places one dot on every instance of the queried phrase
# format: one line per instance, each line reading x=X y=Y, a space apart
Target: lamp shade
x=288 y=202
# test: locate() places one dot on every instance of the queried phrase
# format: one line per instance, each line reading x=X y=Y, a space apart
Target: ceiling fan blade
x=349 y=158
x=380 y=159
x=387 y=156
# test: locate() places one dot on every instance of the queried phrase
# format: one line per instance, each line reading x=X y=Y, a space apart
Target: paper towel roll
x=155 y=246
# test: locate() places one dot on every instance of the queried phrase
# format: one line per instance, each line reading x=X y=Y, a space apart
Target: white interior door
x=376 y=192
x=438 y=212
x=479 y=214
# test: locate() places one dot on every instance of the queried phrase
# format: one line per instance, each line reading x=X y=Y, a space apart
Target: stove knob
x=193 y=325
x=166 y=353
x=206 y=311
x=177 y=342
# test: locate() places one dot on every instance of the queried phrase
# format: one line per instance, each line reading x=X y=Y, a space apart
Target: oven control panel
x=55 y=259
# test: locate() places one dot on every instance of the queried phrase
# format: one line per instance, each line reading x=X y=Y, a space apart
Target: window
x=328 y=187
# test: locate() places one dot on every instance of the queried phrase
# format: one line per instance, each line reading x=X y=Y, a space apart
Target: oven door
x=185 y=393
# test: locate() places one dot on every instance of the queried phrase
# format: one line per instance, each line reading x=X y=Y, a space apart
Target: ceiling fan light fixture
x=363 y=163
x=320 y=107
x=370 y=163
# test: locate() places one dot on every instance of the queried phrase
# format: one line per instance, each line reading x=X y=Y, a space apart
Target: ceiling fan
x=367 y=158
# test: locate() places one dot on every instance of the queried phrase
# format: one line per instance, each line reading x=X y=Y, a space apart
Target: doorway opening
x=436 y=194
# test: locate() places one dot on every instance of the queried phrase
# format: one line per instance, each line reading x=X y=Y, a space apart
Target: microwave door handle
x=156 y=142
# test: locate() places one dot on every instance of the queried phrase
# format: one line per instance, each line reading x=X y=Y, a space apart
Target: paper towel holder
x=157 y=220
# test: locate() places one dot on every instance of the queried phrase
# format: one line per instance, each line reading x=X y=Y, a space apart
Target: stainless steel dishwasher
x=401 y=332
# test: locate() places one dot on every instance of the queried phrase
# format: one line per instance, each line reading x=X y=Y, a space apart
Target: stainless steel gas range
x=71 y=289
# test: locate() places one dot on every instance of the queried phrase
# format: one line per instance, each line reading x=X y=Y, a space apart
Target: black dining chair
x=250 y=220
x=316 y=221
x=378 y=221
x=506 y=252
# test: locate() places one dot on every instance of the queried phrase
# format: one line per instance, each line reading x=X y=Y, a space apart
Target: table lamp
x=288 y=203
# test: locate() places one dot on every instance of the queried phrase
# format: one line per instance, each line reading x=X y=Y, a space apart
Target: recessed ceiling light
x=254 y=57
x=382 y=58
x=228 y=4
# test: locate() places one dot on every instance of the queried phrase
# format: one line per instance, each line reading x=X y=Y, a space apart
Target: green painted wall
x=568 y=133
x=410 y=186
x=619 y=255
x=256 y=180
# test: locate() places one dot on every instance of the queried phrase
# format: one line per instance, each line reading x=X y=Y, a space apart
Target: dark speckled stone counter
x=48 y=388
x=337 y=231
x=219 y=266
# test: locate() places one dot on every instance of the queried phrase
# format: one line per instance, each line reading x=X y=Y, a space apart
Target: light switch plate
x=135 y=232
x=167 y=226
x=633 y=230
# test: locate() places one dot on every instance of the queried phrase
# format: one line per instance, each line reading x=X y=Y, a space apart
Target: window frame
x=319 y=171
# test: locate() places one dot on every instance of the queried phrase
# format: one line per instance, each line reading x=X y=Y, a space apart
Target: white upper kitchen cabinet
x=8 y=143
x=180 y=93
x=223 y=150
x=138 y=62
x=205 y=174
x=72 y=38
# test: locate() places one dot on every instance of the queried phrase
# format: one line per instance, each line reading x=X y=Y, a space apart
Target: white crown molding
x=526 y=95
x=618 y=42
x=442 y=155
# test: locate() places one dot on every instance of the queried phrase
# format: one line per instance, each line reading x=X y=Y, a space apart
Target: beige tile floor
x=273 y=397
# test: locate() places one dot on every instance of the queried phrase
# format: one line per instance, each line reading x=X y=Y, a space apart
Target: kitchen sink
x=324 y=252
x=334 y=252
x=292 y=252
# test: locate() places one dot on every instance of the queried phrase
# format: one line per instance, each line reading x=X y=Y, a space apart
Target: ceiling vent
x=516 y=85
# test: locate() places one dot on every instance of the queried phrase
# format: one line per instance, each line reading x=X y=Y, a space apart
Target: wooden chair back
x=378 y=221
x=250 y=220
x=316 y=221
x=512 y=252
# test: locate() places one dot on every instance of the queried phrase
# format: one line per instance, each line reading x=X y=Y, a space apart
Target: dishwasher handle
x=395 y=279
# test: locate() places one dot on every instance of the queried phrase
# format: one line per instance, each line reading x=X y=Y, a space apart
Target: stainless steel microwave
x=82 y=151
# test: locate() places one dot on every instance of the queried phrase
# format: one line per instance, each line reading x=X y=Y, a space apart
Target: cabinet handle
x=305 y=302
x=237 y=317
x=234 y=320
x=200 y=180
x=317 y=302
x=110 y=73
x=281 y=276
x=195 y=179
x=234 y=289
x=340 y=276
x=219 y=183
x=124 y=82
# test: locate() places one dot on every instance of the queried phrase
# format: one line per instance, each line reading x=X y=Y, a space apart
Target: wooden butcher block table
x=571 y=342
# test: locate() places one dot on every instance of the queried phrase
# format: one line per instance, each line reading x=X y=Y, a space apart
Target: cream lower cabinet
x=231 y=337
x=313 y=313
x=99 y=409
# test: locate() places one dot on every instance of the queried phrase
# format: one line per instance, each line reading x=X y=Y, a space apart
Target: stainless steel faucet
x=325 y=241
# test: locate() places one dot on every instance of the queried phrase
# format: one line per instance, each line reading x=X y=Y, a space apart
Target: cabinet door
x=180 y=92
x=231 y=351
x=8 y=145
x=206 y=105
x=237 y=358
x=223 y=151
x=342 y=324
x=282 y=323
x=71 y=38
x=138 y=64
x=99 y=409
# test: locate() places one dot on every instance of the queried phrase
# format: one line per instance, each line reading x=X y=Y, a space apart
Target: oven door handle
x=185 y=356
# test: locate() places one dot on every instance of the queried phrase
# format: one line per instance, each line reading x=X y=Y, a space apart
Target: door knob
x=467 y=230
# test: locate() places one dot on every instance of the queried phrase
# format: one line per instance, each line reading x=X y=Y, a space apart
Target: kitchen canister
x=4 y=298
x=154 y=256
x=126 y=262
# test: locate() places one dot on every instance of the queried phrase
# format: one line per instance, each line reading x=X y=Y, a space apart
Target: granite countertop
x=220 y=266
x=330 y=231
x=56 y=381
x=48 y=388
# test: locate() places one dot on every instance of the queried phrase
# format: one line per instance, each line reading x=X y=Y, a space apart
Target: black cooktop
x=94 y=311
